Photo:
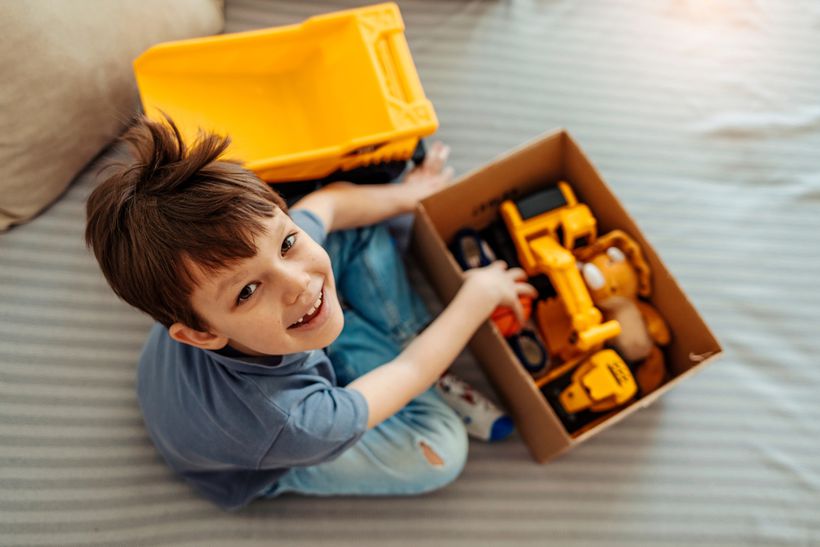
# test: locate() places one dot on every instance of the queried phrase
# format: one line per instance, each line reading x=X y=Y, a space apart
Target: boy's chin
x=320 y=340
x=332 y=330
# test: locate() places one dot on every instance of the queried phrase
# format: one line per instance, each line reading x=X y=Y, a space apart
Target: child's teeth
x=312 y=309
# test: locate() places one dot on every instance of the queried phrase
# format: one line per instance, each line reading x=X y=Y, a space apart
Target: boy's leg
x=360 y=348
x=421 y=448
x=371 y=279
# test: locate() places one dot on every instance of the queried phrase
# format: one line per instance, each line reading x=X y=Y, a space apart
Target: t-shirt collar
x=273 y=365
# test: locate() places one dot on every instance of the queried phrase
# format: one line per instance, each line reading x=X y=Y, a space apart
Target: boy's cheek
x=337 y=322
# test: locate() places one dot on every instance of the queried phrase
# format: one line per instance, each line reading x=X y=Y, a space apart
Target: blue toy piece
x=529 y=350
x=470 y=250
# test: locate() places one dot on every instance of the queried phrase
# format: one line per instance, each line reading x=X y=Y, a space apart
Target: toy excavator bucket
x=338 y=91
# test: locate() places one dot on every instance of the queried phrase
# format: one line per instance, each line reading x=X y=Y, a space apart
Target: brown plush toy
x=617 y=276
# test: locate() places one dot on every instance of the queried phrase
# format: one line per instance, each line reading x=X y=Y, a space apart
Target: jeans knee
x=455 y=457
x=449 y=444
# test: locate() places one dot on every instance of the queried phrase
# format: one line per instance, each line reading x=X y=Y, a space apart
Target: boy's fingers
x=517 y=273
x=526 y=289
x=432 y=153
x=436 y=157
x=439 y=149
x=445 y=152
x=518 y=310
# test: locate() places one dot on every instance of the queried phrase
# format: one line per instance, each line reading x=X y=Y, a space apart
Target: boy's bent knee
x=440 y=443
x=445 y=452
x=431 y=456
x=443 y=462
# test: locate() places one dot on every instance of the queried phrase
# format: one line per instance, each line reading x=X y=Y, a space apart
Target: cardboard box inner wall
x=473 y=201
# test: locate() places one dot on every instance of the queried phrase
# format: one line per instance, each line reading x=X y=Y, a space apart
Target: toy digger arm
x=541 y=250
x=559 y=264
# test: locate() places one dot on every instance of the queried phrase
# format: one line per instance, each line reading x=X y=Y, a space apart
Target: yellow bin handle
x=397 y=66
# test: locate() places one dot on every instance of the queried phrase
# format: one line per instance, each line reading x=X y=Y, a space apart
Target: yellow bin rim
x=300 y=101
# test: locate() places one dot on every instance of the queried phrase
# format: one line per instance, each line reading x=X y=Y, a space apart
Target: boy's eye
x=246 y=292
x=289 y=242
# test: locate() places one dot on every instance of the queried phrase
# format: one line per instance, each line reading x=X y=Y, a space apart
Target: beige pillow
x=67 y=87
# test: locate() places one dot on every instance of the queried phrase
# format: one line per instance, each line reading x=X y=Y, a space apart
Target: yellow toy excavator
x=545 y=227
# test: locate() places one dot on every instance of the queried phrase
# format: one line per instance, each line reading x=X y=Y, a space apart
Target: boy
x=233 y=383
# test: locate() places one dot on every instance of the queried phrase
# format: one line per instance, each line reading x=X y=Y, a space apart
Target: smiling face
x=280 y=301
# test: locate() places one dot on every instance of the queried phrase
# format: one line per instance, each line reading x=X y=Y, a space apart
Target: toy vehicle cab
x=581 y=389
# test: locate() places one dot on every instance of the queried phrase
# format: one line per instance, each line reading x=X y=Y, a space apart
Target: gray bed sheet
x=703 y=116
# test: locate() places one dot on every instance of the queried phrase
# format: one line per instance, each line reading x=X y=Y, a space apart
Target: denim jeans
x=382 y=315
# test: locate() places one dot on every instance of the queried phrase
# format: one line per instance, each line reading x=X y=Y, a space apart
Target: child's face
x=283 y=300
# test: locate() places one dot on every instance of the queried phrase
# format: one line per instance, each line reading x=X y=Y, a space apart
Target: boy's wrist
x=483 y=299
x=404 y=196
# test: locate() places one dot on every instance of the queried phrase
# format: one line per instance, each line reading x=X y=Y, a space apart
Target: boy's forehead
x=206 y=279
x=232 y=270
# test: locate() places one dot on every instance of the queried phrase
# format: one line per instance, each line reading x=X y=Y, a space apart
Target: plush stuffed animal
x=617 y=275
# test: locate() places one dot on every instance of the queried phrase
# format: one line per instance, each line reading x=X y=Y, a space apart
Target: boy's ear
x=198 y=339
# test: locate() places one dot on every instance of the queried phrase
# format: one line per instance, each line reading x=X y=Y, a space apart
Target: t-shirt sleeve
x=322 y=424
x=311 y=224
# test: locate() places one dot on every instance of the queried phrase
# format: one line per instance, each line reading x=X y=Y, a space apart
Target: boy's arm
x=390 y=387
x=343 y=205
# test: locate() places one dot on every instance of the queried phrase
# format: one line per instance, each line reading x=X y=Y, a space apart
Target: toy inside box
x=610 y=331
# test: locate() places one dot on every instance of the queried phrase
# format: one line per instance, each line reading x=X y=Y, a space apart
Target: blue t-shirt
x=231 y=424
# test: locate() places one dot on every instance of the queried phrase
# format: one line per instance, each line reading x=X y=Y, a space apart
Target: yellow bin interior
x=337 y=91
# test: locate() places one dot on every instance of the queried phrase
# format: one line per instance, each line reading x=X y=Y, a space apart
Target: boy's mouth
x=311 y=314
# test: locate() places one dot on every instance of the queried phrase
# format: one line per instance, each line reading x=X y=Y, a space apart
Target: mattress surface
x=702 y=116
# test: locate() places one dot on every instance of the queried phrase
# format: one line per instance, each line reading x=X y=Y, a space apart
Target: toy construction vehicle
x=545 y=227
x=580 y=389
x=301 y=102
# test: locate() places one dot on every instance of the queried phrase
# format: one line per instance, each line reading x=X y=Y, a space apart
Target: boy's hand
x=499 y=286
x=391 y=386
x=429 y=177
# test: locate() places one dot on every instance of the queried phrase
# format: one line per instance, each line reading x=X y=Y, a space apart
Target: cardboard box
x=473 y=201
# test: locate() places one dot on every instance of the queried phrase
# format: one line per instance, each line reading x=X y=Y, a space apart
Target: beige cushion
x=68 y=86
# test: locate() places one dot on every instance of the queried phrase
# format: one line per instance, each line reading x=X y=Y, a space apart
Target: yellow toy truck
x=545 y=227
x=334 y=93
x=582 y=388
x=556 y=236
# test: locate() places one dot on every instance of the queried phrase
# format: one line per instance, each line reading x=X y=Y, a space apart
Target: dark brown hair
x=172 y=206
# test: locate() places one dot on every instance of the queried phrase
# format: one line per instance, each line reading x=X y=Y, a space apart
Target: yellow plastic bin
x=338 y=91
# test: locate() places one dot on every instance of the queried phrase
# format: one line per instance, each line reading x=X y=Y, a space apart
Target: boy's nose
x=296 y=285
